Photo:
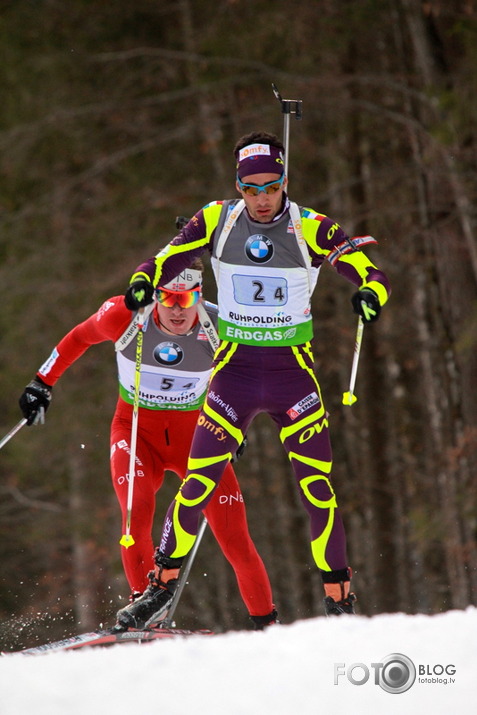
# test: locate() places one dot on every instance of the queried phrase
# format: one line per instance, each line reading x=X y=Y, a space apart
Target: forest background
x=117 y=117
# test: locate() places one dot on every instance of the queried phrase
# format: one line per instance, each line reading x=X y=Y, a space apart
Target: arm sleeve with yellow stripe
x=323 y=235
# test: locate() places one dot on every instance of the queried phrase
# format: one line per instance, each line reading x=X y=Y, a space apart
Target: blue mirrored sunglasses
x=254 y=189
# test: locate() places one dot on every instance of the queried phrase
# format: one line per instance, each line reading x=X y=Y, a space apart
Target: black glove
x=139 y=294
x=181 y=221
x=35 y=401
x=240 y=449
x=366 y=304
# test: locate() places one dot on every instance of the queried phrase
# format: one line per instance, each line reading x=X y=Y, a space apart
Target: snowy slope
x=284 y=670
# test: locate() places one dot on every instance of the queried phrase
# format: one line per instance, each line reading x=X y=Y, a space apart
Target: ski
x=108 y=637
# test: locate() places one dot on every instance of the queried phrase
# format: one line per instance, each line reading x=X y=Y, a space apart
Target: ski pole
x=289 y=106
x=349 y=398
x=13 y=432
x=167 y=622
x=127 y=539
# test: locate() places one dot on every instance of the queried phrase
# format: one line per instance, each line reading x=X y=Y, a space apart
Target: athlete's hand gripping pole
x=127 y=539
x=349 y=398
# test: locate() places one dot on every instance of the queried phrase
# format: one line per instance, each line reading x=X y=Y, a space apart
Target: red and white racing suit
x=174 y=374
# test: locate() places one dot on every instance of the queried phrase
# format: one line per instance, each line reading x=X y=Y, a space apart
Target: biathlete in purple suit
x=266 y=253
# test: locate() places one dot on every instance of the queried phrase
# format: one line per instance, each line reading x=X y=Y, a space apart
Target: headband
x=259 y=159
x=187 y=280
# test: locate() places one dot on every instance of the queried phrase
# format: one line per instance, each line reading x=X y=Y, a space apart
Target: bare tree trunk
x=83 y=569
x=209 y=129
x=443 y=385
x=432 y=67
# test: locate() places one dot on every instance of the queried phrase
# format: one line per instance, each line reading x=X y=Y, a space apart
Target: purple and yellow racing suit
x=265 y=276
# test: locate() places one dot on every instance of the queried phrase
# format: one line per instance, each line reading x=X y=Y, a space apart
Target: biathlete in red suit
x=175 y=369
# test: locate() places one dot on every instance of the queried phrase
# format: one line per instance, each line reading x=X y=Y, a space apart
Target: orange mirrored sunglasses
x=186 y=299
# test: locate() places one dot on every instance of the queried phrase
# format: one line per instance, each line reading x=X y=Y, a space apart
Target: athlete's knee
x=196 y=490
x=317 y=495
x=238 y=548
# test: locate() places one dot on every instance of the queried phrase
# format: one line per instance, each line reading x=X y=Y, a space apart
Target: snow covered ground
x=316 y=667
